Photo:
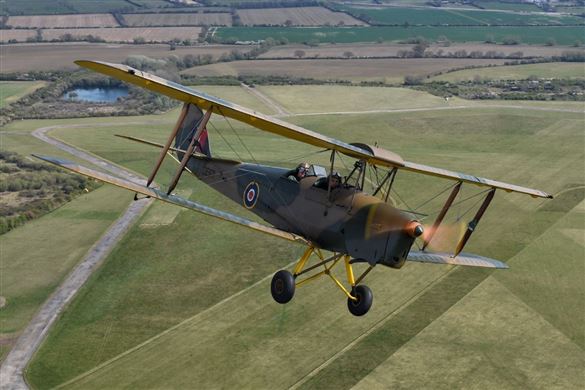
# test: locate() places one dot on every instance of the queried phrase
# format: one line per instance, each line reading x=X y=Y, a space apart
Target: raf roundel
x=251 y=194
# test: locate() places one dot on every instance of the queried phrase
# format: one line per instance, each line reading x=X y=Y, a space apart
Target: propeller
x=443 y=238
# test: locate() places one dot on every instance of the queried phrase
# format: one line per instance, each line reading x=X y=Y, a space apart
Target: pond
x=96 y=95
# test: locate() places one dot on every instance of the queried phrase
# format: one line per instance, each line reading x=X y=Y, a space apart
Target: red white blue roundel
x=251 y=194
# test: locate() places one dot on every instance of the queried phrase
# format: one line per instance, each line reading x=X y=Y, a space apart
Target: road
x=11 y=372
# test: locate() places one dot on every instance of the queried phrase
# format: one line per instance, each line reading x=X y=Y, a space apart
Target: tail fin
x=187 y=131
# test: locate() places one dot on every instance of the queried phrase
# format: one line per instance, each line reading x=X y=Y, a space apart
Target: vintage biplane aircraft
x=309 y=205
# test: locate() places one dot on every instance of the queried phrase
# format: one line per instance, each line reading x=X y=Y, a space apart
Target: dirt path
x=280 y=110
x=11 y=372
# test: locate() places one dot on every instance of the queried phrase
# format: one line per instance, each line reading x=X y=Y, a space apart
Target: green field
x=558 y=70
x=434 y=17
x=11 y=91
x=42 y=7
x=354 y=99
x=507 y=6
x=34 y=258
x=531 y=35
x=164 y=286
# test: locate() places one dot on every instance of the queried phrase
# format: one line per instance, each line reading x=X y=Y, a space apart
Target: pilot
x=300 y=172
x=334 y=180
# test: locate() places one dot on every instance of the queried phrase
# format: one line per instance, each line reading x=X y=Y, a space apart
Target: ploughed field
x=61 y=56
x=60 y=21
x=126 y=34
x=179 y=19
x=185 y=299
x=301 y=16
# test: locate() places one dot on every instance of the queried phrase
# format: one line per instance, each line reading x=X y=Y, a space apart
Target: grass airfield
x=187 y=302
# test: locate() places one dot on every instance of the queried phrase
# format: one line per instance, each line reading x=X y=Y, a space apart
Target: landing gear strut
x=359 y=297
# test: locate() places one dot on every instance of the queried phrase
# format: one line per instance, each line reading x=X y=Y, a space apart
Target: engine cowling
x=379 y=233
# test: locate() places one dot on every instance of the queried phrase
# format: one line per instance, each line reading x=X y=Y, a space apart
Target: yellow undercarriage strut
x=335 y=259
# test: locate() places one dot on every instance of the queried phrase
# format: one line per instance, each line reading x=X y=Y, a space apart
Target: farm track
x=11 y=372
x=280 y=110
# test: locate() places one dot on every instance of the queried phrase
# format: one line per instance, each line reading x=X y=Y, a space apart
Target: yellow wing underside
x=176 y=200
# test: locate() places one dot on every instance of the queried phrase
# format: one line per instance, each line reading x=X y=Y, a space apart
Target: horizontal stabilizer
x=467 y=259
x=177 y=200
x=160 y=146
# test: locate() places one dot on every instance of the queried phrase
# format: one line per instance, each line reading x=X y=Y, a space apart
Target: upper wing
x=461 y=259
x=372 y=155
x=223 y=107
x=177 y=200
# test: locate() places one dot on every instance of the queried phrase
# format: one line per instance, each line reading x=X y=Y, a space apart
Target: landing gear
x=363 y=301
x=282 y=286
x=359 y=296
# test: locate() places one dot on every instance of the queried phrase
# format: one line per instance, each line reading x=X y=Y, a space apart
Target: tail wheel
x=282 y=286
x=364 y=300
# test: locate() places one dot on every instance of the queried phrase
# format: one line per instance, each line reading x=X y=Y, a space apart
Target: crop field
x=44 y=7
x=19 y=7
x=373 y=50
x=127 y=34
x=559 y=70
x=11 y=91
x=507 y=6
x=159 y=313
x=571 y=10
x=61 y=56
x=297 y=16
x=59 y=21
x=534 y=35
x=433 y=17
x=18 y=35
x=387 y=70
x=182 y=19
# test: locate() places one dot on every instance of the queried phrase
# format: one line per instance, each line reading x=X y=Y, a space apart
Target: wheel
x=282 y=286
x=364 y=300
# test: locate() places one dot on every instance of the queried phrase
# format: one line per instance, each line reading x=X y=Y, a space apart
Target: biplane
x=333 y=217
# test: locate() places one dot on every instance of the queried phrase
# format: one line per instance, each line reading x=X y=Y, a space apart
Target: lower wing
x=177 y=200
x=468 y=259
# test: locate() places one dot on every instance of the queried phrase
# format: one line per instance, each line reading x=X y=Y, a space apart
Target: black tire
x=364 y=300
x=282 y=286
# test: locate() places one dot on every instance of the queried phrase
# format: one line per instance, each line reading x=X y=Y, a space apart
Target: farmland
x=84 y=220
x=434 y=17
x=182 y=19
x=61 y=56
x=43 y=7
x=386 y=70
x=373 y=50
x=127 y=34
x=59 y=21
x=17 y=35
x=11 y=91
x=563 y=35
x=298 y=16
x=507 y=6
x=136 y=297
x=549 y=70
